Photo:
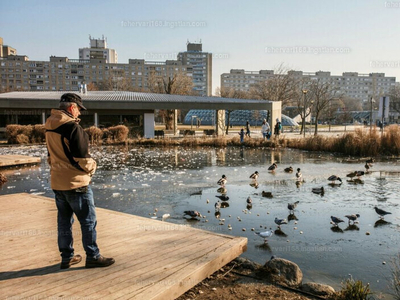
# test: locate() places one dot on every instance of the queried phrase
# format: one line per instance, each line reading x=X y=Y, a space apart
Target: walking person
x=278 y=127
x=241 y=134
x=265 y=129
x=71 y=170
x=248 y=128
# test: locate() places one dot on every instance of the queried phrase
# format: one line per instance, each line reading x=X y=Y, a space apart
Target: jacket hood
x=59 y=117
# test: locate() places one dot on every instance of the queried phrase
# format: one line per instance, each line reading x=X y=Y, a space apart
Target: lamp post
x=304 y=112
x=370 y=115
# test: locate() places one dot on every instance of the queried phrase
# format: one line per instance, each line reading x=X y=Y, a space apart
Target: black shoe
x=100 y=262
x=73 y=261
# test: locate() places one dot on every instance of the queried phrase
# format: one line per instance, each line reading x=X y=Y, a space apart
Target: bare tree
x=179 y=84
x=116 y=81
x=304 y=101
x=394 y=95
x=322 y=93
x=278 y=87
x=231 y=93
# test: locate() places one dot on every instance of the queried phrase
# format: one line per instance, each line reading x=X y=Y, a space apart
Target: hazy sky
x=337 y=36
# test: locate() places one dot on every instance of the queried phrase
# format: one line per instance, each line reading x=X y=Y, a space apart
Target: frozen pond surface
x=140 y=180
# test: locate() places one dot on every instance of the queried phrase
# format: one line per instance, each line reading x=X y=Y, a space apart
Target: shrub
x=11 y=133
x=22 y=139
x=353 y=290
x=95 y=134
x=38 y=134
x=119 y=133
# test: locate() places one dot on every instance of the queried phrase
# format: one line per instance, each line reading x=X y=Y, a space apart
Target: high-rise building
x=354 y=85
x=201 y=63
x=5 y=50
x=98 y=50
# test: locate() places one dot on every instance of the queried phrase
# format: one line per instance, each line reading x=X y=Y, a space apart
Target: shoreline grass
x=358 y=143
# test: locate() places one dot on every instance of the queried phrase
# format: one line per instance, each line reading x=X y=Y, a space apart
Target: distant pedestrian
x=248 y=128
x=278 y=127
x=265 y=130
x=241 y=134
x=198 y=122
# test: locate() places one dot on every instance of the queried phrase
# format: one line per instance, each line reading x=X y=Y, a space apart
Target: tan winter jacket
x=71 y=165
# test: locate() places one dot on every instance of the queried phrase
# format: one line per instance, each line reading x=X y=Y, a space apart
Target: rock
x=246 y=264
x=284 y=271
x=318 y=289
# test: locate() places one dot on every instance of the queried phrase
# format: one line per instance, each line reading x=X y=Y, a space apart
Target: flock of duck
x=355 y=177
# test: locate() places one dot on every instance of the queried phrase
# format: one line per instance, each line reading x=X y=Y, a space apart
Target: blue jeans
x=82 y=204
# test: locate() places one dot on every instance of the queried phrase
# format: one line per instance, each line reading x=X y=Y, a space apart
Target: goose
x=381 y=212
x=280 y=222
x=266 y=194
x=333 y=179
x=272 y=167
x=318 y=190
x=367 y=166
x=352 y=217
x=222 y=181
x=336 y=220
x=254 y=175
x=292 y=206
x=249 y=201
x=192 y=213
x=265 y=234
x=299 y=176
x=289 y=170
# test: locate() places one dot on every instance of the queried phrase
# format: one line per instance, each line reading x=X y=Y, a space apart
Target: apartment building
x=201 y=63
x=5 y=50
x=354 y=85
x=98 y=50
x=17 y=72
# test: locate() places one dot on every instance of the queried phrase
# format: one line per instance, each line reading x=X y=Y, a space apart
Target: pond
x=151 y=182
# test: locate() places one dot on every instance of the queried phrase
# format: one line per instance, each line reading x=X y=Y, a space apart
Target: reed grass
x=358 y=143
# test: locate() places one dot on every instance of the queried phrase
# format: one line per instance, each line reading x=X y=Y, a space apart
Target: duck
x=192 y=213
x=289 y=169
x=222 y=190
x=265 y=234
x=382 y=213
x=318 y=190
x=333 y=179
x=352 y=217
x=299 y=176
x=223 y=197
x=292 y=206
x=266 y=194
x=280 y=222
x=273 y=167
x=336 y=220
x=352 y=175
x=217 y=205
x=370 y=161
x=367 y=166
x=222 y=181
x=254 y=176
x=249 y=201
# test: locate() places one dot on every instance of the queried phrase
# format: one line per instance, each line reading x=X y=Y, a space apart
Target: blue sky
x=337 y=36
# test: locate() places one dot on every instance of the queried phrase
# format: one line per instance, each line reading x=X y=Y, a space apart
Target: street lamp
x=304 y=112
x=370 y=115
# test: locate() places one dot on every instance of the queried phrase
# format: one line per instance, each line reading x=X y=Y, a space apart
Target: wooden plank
x=14 y=160
x=154 y=259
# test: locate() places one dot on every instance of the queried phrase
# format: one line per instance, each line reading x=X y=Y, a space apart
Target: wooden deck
x=14 y=160
x=154 y=259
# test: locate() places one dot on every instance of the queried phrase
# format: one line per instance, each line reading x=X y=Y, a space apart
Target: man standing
x=71 y=169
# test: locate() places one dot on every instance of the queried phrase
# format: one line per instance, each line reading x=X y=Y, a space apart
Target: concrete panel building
x=201 y=64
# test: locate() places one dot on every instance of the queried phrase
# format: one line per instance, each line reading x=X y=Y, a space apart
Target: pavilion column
x=43 y=117
x=96 y=119
x=275 y=113
x=220 y=123
x=175 y=126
